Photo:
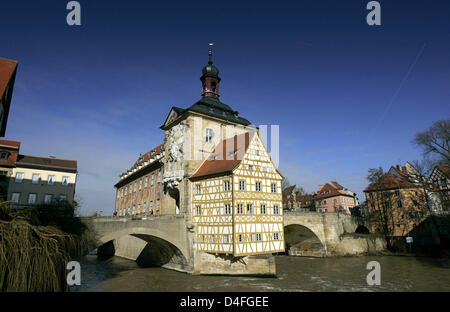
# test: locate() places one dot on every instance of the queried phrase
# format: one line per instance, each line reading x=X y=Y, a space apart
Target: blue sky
x=347 y=96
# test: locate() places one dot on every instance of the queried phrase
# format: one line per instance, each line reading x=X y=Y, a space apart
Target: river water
x=293 y=274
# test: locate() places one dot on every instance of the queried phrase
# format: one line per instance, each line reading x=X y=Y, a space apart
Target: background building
x=30 y=180
x=8 y=70
x=333 y=197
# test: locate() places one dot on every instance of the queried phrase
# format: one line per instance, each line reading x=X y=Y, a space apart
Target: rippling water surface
x=293 y=274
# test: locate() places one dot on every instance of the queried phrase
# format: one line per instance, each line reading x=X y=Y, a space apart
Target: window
x=36 y=178
x=48 y=198
x=15 y=197
x=198 y=210
x=240 y=238
x=227 y=209
x=226 y=239
x=415 y=203
x=259 y=237
x=153 y=178
x=151 y=206
x=19 y=177
x=197 y=189
x=253 y=237
x=4 y=155
x=226 y=185
x=139 y=208
x=140 y=184
x=263 y=209
x=51 y=179
x=213 y=86
x=399 y=204
x=146 y=182
x=159 y=176
x=135 y=186
x=145 y=206
x=250 y=167
x=239 y=209
x=208 y=135
x=276 y=236
x=325 y=210
x=249 y=208
x=242 y=185
x=257 y=152
x=258 y=186
x=213 y=239
x=276 y=210
x=62 y=197
x=274 y=188
x=157 y=205
x=397 y=193
x=32 y=198
x=203 y=238
x=65 y=181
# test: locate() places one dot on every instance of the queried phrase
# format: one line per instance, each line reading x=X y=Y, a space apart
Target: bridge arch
x=303 y=241
x=161 y=248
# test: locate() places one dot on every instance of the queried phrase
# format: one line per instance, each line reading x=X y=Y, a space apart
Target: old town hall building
x=213 y=167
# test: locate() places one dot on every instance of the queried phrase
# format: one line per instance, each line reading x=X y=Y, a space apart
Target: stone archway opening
x=301 y=241
x=361 y=229
x=147 y=250
x=174 y=194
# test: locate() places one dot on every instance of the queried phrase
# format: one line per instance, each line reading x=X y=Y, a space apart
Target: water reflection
x=293 y=274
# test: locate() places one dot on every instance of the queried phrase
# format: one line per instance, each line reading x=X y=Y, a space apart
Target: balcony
x=173 y=178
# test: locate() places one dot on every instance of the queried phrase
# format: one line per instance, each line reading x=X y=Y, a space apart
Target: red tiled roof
x=219 y=161
x=158 y=150
x=389 y=181
x=46 y=163
x=7 y=68
x=288 y=190
x=12 y=158
x=445 y=169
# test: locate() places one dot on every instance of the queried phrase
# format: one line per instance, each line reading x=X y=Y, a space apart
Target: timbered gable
x=237 y=201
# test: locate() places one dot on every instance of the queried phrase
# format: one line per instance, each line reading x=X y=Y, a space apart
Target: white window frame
x=29 y=198
x=242 y=185
x=47 y=196
x=51 y=179
x=227 y=209
x=16 y=201
x=208 y=135
x=65 y=178
x=258 y=186
x=263 y=209
x=17 y=179
x=198 y=211
x=276 y=209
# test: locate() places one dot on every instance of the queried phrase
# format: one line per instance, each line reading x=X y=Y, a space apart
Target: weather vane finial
x=210 y=53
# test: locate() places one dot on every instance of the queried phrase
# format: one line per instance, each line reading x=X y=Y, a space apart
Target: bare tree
x=435 y=140
x=285 y=183
x=374 y=174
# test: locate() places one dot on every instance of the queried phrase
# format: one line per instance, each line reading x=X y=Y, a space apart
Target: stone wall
x=258 y=265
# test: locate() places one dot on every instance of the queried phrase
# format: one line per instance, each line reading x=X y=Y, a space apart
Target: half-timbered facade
x=236 y=199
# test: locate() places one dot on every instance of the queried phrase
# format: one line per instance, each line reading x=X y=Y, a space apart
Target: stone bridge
x=168 y=241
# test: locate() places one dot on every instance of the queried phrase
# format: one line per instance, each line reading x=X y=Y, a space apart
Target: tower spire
x=210 y=78
x=210 y=53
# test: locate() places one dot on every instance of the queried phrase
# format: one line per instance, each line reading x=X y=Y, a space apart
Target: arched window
x=213 y=86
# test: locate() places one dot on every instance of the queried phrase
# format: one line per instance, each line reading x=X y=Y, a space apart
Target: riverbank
x=36 y=244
